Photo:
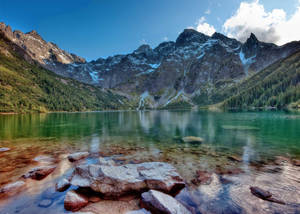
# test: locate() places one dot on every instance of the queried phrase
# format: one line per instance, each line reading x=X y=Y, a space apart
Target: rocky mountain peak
x=189 y=36
x=251 y=46
x=145 y=48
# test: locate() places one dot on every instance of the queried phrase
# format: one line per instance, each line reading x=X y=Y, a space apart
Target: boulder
x=158 y=202
x=39 y=173
x=192 y=139
x=12 y=188
x=62 y=185
x=77 y=156
x=4 y=149
x=74 y=201
x=118 y=180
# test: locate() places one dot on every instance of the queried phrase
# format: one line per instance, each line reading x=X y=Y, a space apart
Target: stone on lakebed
x=62 y=185
x=77 y=156
x=39 y=173
x=12 y=188
x=115 y=181
x=159 y=202
x=192 y=139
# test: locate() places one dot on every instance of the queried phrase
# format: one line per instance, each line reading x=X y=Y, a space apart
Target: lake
x=240 y=149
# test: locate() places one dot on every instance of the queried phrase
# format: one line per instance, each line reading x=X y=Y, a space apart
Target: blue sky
x=101 y=28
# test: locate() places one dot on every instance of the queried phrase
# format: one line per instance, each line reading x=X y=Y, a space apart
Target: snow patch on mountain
x=142 y=99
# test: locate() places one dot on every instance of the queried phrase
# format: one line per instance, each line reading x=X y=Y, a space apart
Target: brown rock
x=296 y=162
x=235 y=158
x=39 y=173
x=74 y=201
x=62 y=185
x=202 y=177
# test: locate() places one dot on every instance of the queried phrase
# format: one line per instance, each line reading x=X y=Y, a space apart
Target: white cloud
x=165 y=38
x=207 y=12
x=273 y=26
x=204 y=27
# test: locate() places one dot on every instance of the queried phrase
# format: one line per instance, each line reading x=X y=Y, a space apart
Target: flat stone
x=4 y=149
x=192 y=139
x=159 y=202
x=12 y=188
x=45 y=203
x=119 y=180
x=62 y=185
x=39 y=173
x=77 y=156
x=74 y=201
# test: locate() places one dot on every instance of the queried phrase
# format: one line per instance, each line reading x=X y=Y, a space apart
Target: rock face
x=74 y=201
x=192 y=139
x=39 y=173
x=114 y=181
x=77 y=156
x=194 y=69
x=158 y=202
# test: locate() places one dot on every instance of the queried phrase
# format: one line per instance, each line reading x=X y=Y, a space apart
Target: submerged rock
x=202 y=177
x=265 y=195
x=107 y=162
x=39 y=173
x=45 y=203
x=77 y=156
x=234 y=158
x=12 y=188
x=119 y=180
x=192 y=139
x=74 y=201
x=4 y=149
x=44 y=159
x=62 y=185
x=158 y=202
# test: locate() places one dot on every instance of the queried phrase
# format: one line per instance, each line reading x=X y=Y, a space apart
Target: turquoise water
x=257 y=138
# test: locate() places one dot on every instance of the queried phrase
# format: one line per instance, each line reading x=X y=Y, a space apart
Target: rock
x=202 y=177
x=44 y=159
x=192 y=139
x=77 y=156
x=141 y=211
x=4 y=149
x=258 y=192
x=74 y=201
x=107 y=162
x=234 y=158
x=296 y=162
x=62 y=185
x=158 y=202
x=281 y=160
x=265 y=195
x=118 y=180
x=12 y=188
x=94 y=199
x=45 y=203
x=39 y=173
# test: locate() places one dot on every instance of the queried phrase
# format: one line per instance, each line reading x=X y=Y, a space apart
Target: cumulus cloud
x=273 y=26
x=204 y=27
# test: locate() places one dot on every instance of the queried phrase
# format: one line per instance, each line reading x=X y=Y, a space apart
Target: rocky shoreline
x=132 y=188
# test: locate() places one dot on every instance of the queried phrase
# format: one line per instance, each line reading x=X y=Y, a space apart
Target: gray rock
x=77 y=156
x=107 y=162
x=118 y=180
x=74 y=201
x=159 y=202
x=39 y=173
x=62 y=185
x=45 y=203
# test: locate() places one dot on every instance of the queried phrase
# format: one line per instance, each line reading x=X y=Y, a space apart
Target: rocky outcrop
x=158 y=202
x=39 y=173
x=114 y=181
x=77 y=156
x=74 y=201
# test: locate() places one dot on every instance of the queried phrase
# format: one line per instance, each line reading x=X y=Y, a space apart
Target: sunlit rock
x=39 y=173
x=74 y=201
x=77 y=156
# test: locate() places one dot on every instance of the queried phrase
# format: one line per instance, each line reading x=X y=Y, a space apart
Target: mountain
x=195 y=70
x=275 y=86
x=27 y=87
